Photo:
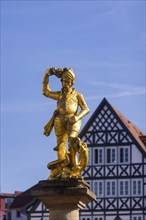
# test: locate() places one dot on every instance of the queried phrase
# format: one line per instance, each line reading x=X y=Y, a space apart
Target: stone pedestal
x=64 y=198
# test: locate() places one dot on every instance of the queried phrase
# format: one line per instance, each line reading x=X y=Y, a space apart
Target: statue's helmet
x=68 y=73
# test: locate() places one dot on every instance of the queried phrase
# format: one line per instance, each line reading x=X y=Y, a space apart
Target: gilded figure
x=66 y=120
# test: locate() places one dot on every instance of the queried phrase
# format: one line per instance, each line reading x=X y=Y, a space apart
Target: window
x=137 y=217
x=98 y=156
x=85 y=218
x=111 y=188
x=98 y=188
x=9 y=215
x=111 y=155
x=97 y=218
x=8 y=201
x=137 y=187
x=124 y=188
x=4 y=217
x=18 y=214
x=124 y=155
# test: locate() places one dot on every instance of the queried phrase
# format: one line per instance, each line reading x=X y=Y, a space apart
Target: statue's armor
x=66 y=108
x=68 y=104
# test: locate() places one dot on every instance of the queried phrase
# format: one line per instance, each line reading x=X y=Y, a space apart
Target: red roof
x=136 y=132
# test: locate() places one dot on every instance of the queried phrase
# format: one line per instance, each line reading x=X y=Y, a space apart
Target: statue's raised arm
x=46 y=87
x=66 y=120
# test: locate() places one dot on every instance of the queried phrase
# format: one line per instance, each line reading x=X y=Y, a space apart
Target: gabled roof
x=24 y=198
x=136 y=133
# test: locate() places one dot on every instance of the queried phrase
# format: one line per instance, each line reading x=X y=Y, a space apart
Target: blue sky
x=104 y=43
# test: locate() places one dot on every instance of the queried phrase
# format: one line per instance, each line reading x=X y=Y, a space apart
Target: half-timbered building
x=117 y=166
x=116 y=170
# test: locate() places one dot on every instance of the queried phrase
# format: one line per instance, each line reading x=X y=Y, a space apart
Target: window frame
x=137 y=217
x=109 y=188
x=125 y=159
x=124 y=188
x=135 y=187
x=98 y=218
x=98 y=155
x=18 y=214
x=85 y=218
x=109 y=155
x=98 y=188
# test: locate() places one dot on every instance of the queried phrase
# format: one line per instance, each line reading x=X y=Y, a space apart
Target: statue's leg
x=73 y=157
x=61 y=143
x=73 y=131
x=61 y=138
x=55 y=172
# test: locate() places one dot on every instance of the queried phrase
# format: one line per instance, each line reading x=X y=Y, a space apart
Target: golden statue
x=66 y=121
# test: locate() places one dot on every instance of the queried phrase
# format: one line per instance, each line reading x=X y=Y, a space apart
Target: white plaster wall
x=14 y=215
x=136 y=154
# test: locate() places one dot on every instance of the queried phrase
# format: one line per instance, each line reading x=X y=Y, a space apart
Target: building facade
x=116 y=170
x=117 y=166
x=29 y=207
x=6 y=213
